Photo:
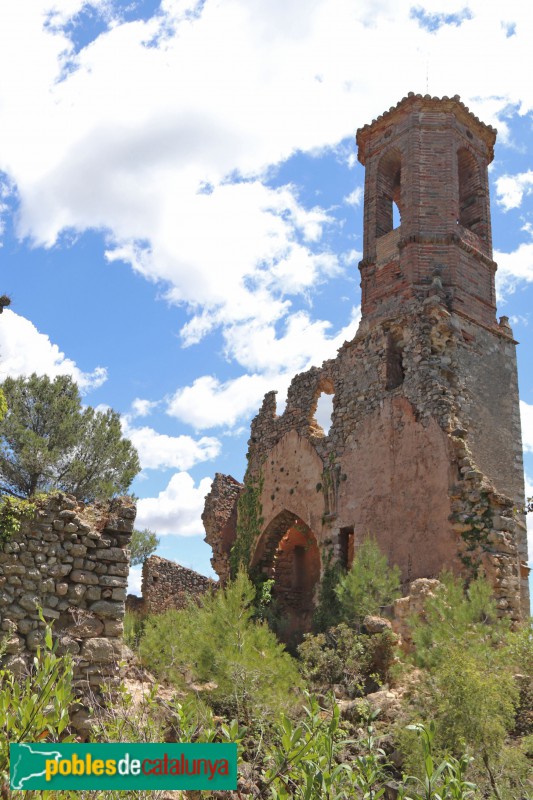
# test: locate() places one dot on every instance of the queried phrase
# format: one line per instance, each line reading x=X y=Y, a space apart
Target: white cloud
x=355 y=198
x=142 y=408
x=160 y=451
x=23 y=350
x=135 y=581
x=208 y=403
x=147 y=146
x=513 y=268
x=510 y=189
x=302 y=344
x=526 y=415
x=272 y=361
x=177 y=509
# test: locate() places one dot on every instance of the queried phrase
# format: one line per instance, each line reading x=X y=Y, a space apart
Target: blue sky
x=180 y=203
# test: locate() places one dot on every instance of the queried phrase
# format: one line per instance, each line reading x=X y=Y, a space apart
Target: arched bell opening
x=288 y=553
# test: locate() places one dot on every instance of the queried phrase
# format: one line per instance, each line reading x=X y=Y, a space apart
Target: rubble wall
x=71 y=561
x=166 y=584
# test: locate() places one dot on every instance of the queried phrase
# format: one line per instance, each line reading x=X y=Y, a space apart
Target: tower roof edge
x=421 y=102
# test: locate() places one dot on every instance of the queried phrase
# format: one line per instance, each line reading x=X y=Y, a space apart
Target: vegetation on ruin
x=48 y=441
x=249 y=522
x=369 y=585
x=328 y=611
x=243 y=670
x=12 y=511
x=310 y=726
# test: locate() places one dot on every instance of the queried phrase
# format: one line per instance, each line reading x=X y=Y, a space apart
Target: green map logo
x=123 y=766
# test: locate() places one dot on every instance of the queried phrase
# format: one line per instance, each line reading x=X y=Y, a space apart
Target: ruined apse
x=424 y=451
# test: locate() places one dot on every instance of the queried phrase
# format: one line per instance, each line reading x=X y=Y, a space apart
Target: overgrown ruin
x=424 y=450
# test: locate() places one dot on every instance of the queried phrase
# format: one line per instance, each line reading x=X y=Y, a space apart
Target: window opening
x=324 y=410
x=346 y=542
x=388 y=203
x=394 y=366
x=471 y=211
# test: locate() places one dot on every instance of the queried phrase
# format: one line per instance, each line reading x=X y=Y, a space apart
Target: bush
x=36 y=707
x=369 y=585
x=359 y=663
x=244 y=670
x=133 y=628
x=467 y=688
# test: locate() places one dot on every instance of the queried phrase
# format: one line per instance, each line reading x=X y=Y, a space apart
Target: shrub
x=356 y=661
x=369 y=584
x=468 y=688
x=36 y=707
x=244 y=670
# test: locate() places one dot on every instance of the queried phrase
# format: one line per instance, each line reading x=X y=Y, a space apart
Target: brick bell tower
x=424 y=450
x=429 y=158
x=427 y=233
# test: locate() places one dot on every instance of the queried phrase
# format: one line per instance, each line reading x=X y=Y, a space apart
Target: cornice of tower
x=417 y=102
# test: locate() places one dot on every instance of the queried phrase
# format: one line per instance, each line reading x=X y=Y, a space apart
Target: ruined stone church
x=424 y=450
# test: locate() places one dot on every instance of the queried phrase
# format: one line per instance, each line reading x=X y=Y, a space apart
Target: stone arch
x=388 y=191
x=288 y=553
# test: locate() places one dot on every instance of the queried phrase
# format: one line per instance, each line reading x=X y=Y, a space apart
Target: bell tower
x=427 y=157
x=424 y=450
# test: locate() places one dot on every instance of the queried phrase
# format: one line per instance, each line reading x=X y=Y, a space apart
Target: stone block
x=83 y=576
x=106 y=608
x=116 y=554
x=100 y=650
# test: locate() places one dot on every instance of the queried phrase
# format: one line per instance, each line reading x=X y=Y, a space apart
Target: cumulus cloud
x=142 y=408
x=155 y=159
x=526 y=415
x=513 y=268
x=25 y=350
x=355 y=198
x=135 y=581
x=208 y=403
x=272 y=361
x=177 y=509
x=301 y=343
x=510 y=189
x=160 y=451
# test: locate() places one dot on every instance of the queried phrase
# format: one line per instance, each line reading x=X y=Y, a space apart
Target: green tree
x=244 y=670
x=47 y=441
x=142 y=545
x=369 y=584
x=468 y=686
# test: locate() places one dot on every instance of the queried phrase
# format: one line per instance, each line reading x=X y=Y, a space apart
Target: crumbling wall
x=220 y=521
x=400 y=460
x=424 y=447
x=166 y=584
x=71 y=561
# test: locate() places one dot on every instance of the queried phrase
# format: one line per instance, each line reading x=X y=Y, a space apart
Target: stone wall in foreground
x=71 y=561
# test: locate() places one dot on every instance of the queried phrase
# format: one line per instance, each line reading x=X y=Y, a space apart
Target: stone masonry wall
x=71 y=561
x=220 y=521
x=402 y=463
x=166 y=584
x=424 y=447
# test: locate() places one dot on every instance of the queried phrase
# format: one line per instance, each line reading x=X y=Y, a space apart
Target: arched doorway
x=288 y=553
